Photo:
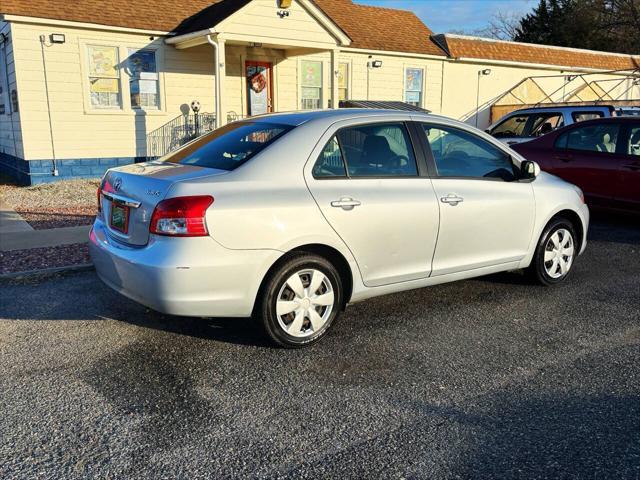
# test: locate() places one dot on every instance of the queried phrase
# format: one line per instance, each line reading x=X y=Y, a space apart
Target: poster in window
x=311 y=74
x=311 y=93
x=104 y=85
x=142 y=62
x=258 y=89
x=103 y=61
x=413 y=79
x=412 y=97
x=343 y=73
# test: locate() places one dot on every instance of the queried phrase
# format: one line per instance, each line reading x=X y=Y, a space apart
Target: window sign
x=104 y=76
x=343 y=81
x=143 y=82
x=413 y=86
x=311 y=85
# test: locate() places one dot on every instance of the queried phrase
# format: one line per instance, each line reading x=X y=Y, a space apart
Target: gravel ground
x=486 y=378
x=39 y=258
x=66 y=203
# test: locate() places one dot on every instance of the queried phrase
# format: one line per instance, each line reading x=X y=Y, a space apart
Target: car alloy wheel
x=304 y=303
x=559 y=253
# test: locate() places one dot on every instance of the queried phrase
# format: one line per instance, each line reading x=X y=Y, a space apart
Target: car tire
x=293 y=315
x=555 y=253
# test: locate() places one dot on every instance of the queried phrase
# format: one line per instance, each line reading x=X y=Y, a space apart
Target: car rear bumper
x=182 y=276
x=585 y=217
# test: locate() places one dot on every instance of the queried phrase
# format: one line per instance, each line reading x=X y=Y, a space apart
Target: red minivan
x=600 y=156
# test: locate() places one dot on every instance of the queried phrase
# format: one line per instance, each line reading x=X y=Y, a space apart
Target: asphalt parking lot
x=487 y=378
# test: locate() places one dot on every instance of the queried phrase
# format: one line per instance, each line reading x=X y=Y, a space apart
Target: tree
x=611 y=25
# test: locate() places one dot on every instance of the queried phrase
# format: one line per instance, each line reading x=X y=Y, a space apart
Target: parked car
x=530 y=123
x=601 y=156
x=290 y=217
x=628 y=111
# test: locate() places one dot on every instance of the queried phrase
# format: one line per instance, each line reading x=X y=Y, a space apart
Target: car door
x=368 y=183
x=486 y=213
x=628 y=192
x=587 y=156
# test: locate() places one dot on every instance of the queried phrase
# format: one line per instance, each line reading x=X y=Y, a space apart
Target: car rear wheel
x=300 y=301
x=555 y=253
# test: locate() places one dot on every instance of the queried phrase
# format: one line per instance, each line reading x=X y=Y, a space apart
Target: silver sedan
x=291 y=217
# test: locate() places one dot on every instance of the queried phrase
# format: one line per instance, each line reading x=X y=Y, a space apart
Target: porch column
x=334 y=79
x=222 y=56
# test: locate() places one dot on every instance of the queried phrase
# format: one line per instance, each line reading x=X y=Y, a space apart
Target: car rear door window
x=377 y=150
x=633 y=148
x=511 y=127
x=590 y=138
x=458 y=153
x=543 y=123
x=330 y=163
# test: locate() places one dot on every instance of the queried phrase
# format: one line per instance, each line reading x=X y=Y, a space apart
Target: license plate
x=119 y=217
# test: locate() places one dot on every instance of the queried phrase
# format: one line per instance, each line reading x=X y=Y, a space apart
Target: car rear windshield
x=228 y=147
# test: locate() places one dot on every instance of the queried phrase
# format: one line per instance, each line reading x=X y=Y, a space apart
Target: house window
x=343 y=81
x=143 y=82
x=311 y=85
x=104 y=77
x=413 y=86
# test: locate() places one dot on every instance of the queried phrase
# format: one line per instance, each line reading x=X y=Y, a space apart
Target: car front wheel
x=555 y=253
x=301 y=300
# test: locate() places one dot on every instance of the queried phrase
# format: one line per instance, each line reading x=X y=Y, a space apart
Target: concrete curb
x=46 y=272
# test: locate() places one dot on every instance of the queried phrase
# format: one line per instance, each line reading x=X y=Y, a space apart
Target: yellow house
x=86 y=88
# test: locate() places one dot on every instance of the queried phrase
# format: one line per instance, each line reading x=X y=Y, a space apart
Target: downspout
x=217 y=82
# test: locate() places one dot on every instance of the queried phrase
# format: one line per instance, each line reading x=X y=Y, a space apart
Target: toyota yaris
x=290 y=217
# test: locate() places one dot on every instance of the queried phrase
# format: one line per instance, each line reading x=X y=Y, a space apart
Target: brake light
x=99 y=200
x=181 y=216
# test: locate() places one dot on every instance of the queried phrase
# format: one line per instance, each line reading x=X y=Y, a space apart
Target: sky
x=443 y=16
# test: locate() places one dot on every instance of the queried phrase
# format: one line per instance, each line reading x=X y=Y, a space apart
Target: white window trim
x=349 y=65
x=123 y=53
x=322 y=81
x=404 y=82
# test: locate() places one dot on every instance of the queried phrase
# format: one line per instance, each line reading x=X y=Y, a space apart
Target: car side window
x=378 y=150
x=634 y=142
x=511 y=127
x=330 y=163
x=590 y=138
x=582 y=116
x=458 y=153
x=544 y=123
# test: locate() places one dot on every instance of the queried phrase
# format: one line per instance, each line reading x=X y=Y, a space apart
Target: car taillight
x=181 y=216
x=99 y=199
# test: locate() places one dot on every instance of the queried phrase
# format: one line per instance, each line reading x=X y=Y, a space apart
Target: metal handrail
x=175 y=133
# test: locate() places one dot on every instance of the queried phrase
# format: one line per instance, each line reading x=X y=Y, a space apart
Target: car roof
x=559 y=108
x=296 y=118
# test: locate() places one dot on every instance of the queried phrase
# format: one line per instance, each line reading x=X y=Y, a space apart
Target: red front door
x=259 y=87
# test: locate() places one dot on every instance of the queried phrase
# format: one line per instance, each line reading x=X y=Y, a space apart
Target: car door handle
x=452 y=199
x=564 y=158
x=346 y=203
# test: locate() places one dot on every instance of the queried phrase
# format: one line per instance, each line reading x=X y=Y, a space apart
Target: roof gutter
x=542 y=66
x=190 y=36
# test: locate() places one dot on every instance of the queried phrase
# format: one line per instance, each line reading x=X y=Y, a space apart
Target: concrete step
x=43 y=238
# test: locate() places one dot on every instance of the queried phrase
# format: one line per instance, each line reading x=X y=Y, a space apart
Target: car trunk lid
x=131 y=193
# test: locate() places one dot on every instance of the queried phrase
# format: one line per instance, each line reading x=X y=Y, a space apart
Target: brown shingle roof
x=162 y=15
x=369 y=27
x=472 y=47
x=377 y=28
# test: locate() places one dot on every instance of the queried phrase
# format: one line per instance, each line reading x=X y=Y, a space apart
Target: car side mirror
x=529 y=169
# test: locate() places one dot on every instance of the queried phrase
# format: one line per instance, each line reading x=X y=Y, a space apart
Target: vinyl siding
x=10 y=132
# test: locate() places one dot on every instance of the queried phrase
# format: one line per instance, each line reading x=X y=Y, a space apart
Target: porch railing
x=172 y=135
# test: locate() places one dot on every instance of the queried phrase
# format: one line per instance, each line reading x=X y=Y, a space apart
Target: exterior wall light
x=484 y=72
x=375 y=64
x=57 y=38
